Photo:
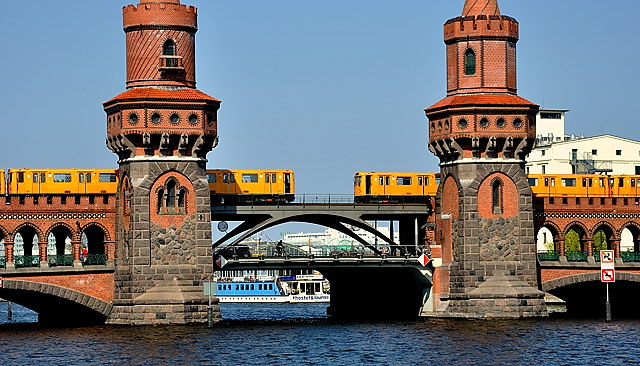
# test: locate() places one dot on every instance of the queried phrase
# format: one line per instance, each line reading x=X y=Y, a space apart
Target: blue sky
x=326 y=88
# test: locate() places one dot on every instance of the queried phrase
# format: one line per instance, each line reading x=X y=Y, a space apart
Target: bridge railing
x=336 y=251
x=95 y=260
x=60 y=260
x=549 y=255
x=630 y=256
x=23 y=261
x=324 y=199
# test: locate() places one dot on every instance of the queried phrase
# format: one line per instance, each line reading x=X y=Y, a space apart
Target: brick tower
x=482 y=132
x=161 y=128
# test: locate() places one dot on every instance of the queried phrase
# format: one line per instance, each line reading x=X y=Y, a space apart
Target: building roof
x=482 y=100
x=153 y=93
x=591 y=139
x=480 y=7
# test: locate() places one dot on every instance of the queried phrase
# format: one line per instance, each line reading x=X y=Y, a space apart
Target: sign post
x=607 y=274
x=210 y=289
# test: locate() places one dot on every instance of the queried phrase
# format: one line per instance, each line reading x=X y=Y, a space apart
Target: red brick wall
x=99 y=285
x=509 y=197
x=165 y=220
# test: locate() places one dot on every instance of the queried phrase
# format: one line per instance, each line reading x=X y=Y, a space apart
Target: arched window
x=496 y=196
x=160 y=199
x=169 y=48
x=171 y=194
x=181 y=198
x=469 y=62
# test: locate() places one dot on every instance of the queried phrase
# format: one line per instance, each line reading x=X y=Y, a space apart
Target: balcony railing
x=171 y=63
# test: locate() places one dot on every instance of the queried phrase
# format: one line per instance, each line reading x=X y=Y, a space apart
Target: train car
x=373 y=187
x=584 y=185
x=244 y=186
x=3 y=183
x=62 y=181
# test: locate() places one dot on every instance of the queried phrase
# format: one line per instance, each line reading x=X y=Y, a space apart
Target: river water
x=301 y=334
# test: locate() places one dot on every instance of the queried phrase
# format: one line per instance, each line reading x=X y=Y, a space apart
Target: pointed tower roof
x=480 y=7
x=160 y=1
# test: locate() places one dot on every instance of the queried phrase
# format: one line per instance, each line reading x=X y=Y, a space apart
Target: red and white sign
x=607 y=257
x=608 y=275
x=424 y=260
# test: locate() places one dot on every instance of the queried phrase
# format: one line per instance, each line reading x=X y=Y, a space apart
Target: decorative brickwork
x=162 y=128
x=482 y=131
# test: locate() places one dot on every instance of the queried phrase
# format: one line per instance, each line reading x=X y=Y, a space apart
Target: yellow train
x=372 y=187
x=584 y=185
x=61 y=181
x=244 y=186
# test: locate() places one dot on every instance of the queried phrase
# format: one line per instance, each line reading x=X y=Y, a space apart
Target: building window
x=618 y=152
x=594 y=152
x=470 y=62
x=171 y=198
x=543 y=152
x=548 y=115
x=169 y=48
x=496 y=196
x=544 y=170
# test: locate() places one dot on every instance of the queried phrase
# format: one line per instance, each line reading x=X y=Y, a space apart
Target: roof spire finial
x=480 y=7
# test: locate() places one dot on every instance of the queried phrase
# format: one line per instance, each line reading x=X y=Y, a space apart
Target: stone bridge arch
x=55 y=304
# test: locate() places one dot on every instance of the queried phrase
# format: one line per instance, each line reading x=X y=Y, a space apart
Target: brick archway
x=61 y=303
x=586 y=277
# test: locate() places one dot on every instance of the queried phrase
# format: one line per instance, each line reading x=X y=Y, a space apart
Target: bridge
x=139 y=256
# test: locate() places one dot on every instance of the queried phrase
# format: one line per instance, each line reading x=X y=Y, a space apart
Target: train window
x=381 y=181
x=357 y=181
x=633 y=182
x=553 y=182
x=211 y=177
x=249 y=178
x=620 y=182
x=533 y=182
x=232 y=178
x=35 y=178
x=419 y=181
x=437 y=181
x=273 y=178
x=546 y=182
x=267 y=178
x=20 y=177
x=601 y=182
x=403 y=181
x=107 y=177
x=568 y=182
x=387 y=180
x=225 y=178
x=81 y=178
x=89 y=177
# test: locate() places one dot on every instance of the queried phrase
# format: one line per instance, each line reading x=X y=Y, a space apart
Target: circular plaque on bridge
x=223 y=226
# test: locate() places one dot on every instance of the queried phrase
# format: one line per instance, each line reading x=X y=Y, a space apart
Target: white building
x=331 y=237
x=559 y=153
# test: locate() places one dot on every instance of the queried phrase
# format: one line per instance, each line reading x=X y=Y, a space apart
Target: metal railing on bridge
x=63 y=260
x=581 y=256
x=324 y=199
x=272 y=250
